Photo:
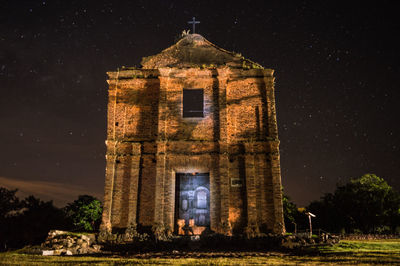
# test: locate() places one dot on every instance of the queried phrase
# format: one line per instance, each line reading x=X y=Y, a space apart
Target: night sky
x=337 y=84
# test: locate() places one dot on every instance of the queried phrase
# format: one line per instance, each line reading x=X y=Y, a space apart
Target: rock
x=85 y=245
x=91 y=251
x=54 y=233
x=85 y=238
x=74 y=250
x=288 y=244
x=64 y=243
x=96 y=247
x=57 y=252
x=57 y=246
x=92 y=238
x=70 y=244
x=82 y=250
x=47 y=252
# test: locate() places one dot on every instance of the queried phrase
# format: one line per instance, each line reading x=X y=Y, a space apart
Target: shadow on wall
x=147 y=99
x=243 y=194
x=148 y=128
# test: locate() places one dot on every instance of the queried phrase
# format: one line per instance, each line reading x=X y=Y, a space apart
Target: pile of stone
x=297 y=241
x=68 y=243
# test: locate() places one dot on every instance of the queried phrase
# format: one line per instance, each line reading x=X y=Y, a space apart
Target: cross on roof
x=194 y=22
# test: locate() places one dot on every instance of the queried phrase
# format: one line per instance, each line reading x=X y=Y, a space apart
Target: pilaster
x=134 y=185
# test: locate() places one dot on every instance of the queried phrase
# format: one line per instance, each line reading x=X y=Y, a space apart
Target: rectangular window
x=193 y=103
x=236 y=182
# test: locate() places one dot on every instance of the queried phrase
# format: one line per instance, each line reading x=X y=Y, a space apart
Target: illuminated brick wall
x=236 y=142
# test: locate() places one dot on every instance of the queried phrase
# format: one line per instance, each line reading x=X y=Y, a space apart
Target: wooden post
x=309 y=214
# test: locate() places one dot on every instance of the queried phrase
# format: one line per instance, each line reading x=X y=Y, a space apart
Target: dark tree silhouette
x=26 y=222
x=367 y=204
x=293 y=218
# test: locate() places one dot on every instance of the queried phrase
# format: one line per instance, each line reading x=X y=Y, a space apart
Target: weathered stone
x=235 y=142
x=70 y=244
x=47 y=252
x=89 y=238
x=84 y=245
x=82 y=250
x=57 y=246
x=54 y=233
x=96 y=247
x=64 y=244
x=73 y=249
x=58 y=251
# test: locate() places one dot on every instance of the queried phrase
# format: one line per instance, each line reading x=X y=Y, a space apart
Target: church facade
x=192 y=144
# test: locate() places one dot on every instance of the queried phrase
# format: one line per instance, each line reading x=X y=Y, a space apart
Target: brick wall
x=148 y=141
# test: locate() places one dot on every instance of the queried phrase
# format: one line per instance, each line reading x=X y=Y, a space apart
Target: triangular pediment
x=193 y=50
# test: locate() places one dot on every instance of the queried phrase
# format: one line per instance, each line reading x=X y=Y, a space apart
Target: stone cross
x=194 y=22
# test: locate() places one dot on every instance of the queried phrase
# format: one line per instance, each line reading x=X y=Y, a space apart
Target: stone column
x=279 y=226
x=250 y=189
x=162 y=137
x=134 y=184
x=252 y=229
x=224 y=194
x=272 y=123
x=159 y=189
x=116 y=212
x=215 y=191
x=169 y=198
x=108 y=193
x=259 y=181
x=222 y=119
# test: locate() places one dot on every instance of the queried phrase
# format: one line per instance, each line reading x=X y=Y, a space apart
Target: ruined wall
x=149 y=141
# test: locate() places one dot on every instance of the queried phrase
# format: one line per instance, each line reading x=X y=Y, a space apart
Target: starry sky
x=337 y=84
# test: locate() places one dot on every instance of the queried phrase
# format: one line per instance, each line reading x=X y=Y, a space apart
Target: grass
x=362 y=252
x=347 y=252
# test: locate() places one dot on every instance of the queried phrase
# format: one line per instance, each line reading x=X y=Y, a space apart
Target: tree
x=26 y=222
x=295 y=218
x=9 y=206
x=327 y=214
x=35 y=221
x=8 y=202
x=367 y=203
x=85 y=213
x=290 y=213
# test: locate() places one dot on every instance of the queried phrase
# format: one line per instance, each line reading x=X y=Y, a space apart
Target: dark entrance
x=192 y=203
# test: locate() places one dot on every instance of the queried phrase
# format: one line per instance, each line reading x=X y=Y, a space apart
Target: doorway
x=192 y=208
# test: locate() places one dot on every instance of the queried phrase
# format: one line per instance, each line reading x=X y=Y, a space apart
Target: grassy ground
x=347 y=252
